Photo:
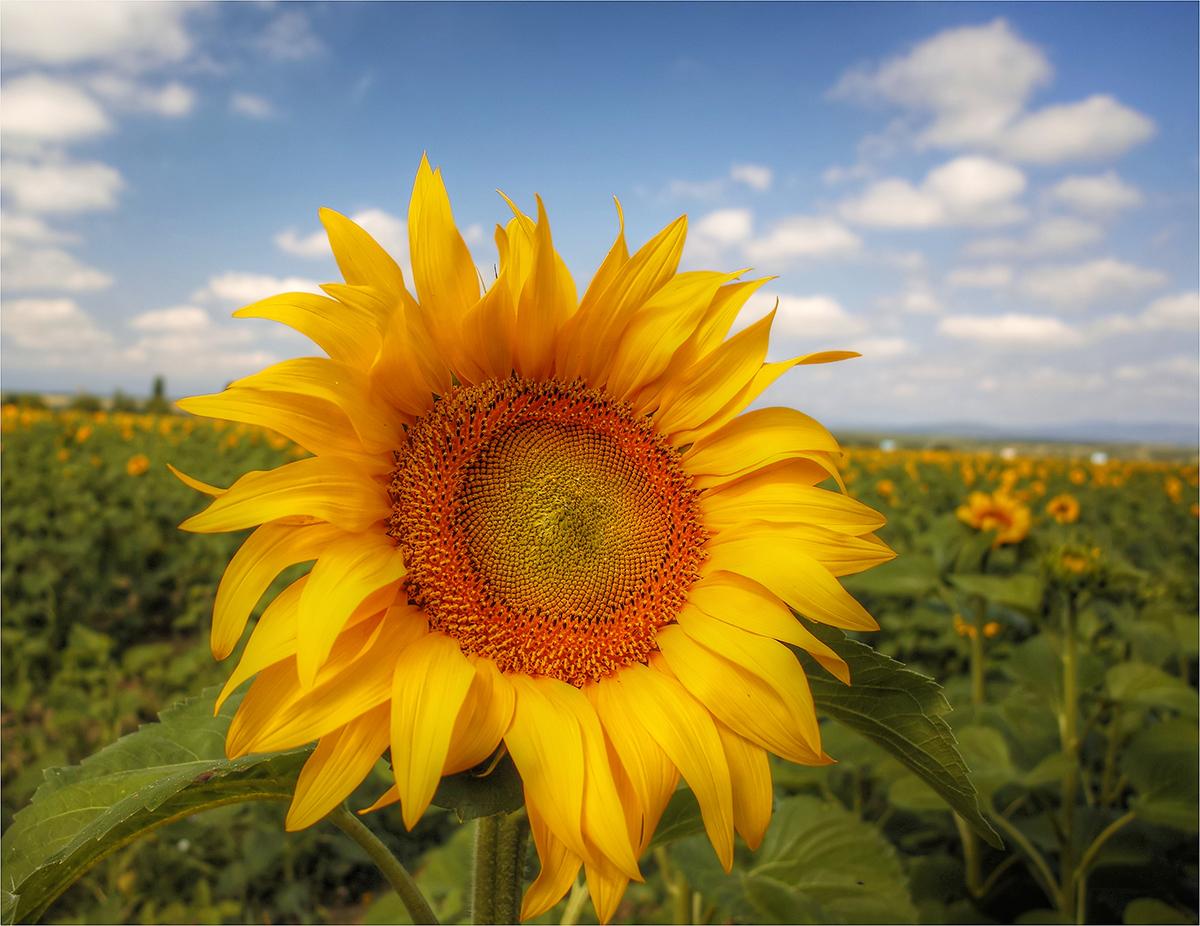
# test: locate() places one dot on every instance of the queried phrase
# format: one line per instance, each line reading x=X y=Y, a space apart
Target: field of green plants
x=1063 y=631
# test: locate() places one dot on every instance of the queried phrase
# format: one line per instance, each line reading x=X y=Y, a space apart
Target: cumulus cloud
x=1010 y=330
x=988 y=276
x=176 y=318
x=235 y=288
x=725 y=226
x=1053 y=235
x=802 y=317
x=969 y=88
x=289 y=37
x=1102 y=194
x=1094 y=129
x=251 y=106
x=881 y=348
x=61 y=185
x=969 y=82
x=41 y=108
x=49 y=270
x=803 y=236
x=136 y=35
x=58 y=325
x=1177 y=312
x=16 y=228
x=1097 y=282
x=917 y=298
x=756 y=176
x=389 y=230
x=170 y=100
x=970 y=190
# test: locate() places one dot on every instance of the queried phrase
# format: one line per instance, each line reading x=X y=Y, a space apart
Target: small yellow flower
x=84 y=432
x=1078 y=476
x=1174 y=488
x=63 y=455
x=1063 y=508
x=137 y=464
x=991 y=629
x=998 y=512
x=886 y=488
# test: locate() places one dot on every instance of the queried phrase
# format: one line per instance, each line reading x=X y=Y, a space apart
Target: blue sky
x=995 y=203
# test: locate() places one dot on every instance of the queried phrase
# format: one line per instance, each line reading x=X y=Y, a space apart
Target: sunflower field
x=1053 y=599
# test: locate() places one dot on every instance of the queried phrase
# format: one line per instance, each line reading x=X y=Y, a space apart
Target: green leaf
x=901 y=711
x=471 y=794
x=836 y=860
x=680 y=820
x=1020 y=591
x=1148 y=686
x=1160 y=763
x=910 y=576
x=160 y=773
x=1153 y=910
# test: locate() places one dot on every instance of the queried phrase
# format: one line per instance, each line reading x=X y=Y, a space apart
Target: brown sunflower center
x=544 y=526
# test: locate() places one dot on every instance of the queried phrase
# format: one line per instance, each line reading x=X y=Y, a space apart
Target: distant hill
x=1168 y=433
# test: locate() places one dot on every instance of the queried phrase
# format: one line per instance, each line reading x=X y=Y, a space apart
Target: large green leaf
x=162 y=772
x=902 y=711
x=1160 y=763
x=481 y=793
x=1020 y=591
x=819 y=863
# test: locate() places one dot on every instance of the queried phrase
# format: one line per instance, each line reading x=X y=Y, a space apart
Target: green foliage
x=163 y=772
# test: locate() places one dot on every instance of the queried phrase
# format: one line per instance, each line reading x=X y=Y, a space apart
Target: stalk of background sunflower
x=540 y=525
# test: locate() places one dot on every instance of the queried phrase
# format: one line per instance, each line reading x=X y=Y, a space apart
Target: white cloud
x=42 y=108
x=49 y=269
x=1054 y=235
x=881 y=348
x=969 y=88
x=133 y=35
x=58 y=325
x=695 y=189
x=988 y=276
x=969 y=82
x=389 y=230
x=1178 y=312
x=969 y=190
x=251 y=106
x=756 y=176
x=171 y=100
x=473 y=235
x=803 y=236
x=1097 y=282
x=1102 y=194
x=61 y=186
x=235 y=288
x=1010 y=330
x=15 y=227
x=1097 y=128
x=806 y=317
x=177 y=319
x=289 y=37
x=726 y=226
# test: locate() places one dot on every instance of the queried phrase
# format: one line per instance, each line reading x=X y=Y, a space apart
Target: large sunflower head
x=540 y=523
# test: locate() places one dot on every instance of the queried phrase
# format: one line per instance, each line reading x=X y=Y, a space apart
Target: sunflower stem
x=397 y=875
x=500 y=844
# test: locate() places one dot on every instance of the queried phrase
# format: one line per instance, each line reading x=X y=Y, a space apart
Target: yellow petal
x=316 y=425
x=785 y=493
x=483 y=720
x=195 y=484
x=410 y=369
x=685 y=732
x=359 y=257
x=660 y=327
x=764 y=658
x=842 y=554
x=636 y=281
x=744 y=603
x=606 y=886
x=766 y=375
x=443 y=272
x=389 y=797
x=431 y=682
x=788 y=571
x=560 y=866
x=714 y=380
x=547 y=300
x=741 y=700
x=569 y=348
x=265 y=554
x=604 y=818
x=344 y=334
x=348 y=570
x=356 y=678
x=546 y=745
x=489 y=332
x=345 y=387
x=757 y=439
x=337 y=766
x=327 y=488
x=750 y=773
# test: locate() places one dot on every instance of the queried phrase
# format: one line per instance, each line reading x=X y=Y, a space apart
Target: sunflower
x=1063 y=508
x=540 y=523
x=999 y=512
